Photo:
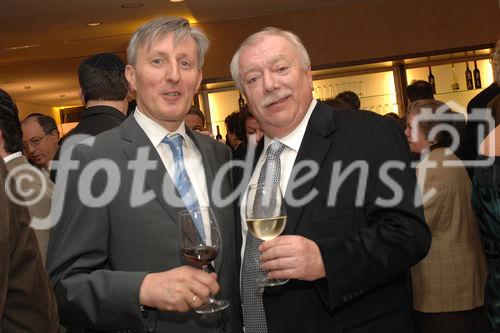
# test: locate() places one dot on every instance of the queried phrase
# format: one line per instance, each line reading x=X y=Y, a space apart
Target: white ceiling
x=43 y=42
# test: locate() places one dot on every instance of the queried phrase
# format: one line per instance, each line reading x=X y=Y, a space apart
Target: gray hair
x=256 y=37
x=496 y=63
x=179 y=26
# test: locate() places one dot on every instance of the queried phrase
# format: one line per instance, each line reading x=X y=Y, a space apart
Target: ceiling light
x=22 y=47
x=176 y=0
x=94 y=24
x=132 y=5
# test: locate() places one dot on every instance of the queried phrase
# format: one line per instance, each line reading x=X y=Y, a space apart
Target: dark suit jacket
x=367 y=249
x=27 y=302
x=95 y=120
x=469 y=144
x=98 y=256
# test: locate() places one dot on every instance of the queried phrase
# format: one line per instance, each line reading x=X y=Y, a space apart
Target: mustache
x=274 y=97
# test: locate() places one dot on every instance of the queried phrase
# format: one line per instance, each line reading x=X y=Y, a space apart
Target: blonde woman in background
x=448 y=284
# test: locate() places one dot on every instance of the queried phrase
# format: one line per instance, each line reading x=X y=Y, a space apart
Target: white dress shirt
x=292 y=143
x=192 y=157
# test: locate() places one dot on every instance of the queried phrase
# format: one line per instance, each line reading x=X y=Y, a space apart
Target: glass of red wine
x=201 y=243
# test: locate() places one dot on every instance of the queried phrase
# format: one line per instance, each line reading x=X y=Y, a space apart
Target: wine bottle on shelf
x=468 y=77
x=432 y=81
x=241 y=102
x=477 y=76
x=454 y=79
x=218 y=136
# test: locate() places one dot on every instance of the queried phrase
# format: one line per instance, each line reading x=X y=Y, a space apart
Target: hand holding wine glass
x=266 y=217
x=201 y=243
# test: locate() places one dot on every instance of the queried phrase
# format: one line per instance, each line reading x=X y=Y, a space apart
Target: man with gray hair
x=115 y=261
x=352 y=230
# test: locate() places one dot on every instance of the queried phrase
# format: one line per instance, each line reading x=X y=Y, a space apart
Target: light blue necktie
x=181 y=178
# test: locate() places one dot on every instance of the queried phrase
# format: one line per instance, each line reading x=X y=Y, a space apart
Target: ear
x=130 y=76
x=200 y=78
x=55 y=134
x=82 y=98
x=310 y=78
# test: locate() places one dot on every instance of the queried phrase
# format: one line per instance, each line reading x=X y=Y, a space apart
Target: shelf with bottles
x=456 y=81
x=376 y=91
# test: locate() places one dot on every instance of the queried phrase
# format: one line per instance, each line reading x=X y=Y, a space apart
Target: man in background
x=104 y=91
x=40 y=140
x=235 y=135
x=26 y=298
x=195 y=119
x=34 y=189
x=350 y=98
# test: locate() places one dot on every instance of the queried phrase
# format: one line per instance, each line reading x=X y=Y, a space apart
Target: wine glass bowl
x=201 y=243
x=266 y=217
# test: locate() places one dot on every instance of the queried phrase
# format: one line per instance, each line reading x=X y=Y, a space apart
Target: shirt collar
x=12 y=156
x=293 y=139
x=154 y=131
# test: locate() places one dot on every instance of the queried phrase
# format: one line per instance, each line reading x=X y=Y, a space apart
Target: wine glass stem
x=210 y=296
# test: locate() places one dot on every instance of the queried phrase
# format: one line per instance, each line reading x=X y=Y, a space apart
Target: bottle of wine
x=454 y=79
x=218 y=136
x=432 y=81
x=477 y=76
x=241 y=102
x=468 y=77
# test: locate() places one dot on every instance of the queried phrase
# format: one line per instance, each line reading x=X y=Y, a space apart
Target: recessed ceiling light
x=94 y=24
x=132 y=5
x=176 y=0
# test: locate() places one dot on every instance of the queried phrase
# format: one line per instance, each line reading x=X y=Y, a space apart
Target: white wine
x=268 y=228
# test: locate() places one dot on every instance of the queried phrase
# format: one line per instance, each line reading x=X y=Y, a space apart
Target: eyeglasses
x=34 y=142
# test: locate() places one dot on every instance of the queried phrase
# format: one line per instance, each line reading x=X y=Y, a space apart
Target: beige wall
x=27 y=108
x=364 y=31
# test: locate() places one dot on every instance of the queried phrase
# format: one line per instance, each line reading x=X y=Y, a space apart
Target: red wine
x=432 y=81
x=218 y=136
x=477 y=76
x=200 y=255
x=468 y=77
x=241 y=102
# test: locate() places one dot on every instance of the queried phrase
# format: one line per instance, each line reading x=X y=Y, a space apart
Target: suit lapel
x=156 y=179
x=314 y=147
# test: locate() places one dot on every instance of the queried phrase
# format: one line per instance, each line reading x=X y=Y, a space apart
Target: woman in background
x=486 y=203
x=448 y=283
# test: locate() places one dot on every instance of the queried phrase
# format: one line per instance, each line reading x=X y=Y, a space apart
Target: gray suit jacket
x=98 y=256
x=32 y=186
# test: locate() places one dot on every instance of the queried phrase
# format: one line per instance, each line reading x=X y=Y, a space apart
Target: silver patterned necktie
x=181 y=178
x=254 y=316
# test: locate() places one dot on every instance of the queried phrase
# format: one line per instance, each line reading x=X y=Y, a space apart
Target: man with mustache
x=347 y=261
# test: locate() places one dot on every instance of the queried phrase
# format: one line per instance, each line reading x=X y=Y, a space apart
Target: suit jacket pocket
x=330 y=222
x=330 y=214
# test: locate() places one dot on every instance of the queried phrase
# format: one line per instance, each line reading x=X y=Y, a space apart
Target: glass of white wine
x=266 y=217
